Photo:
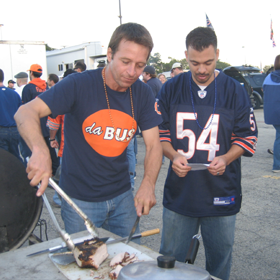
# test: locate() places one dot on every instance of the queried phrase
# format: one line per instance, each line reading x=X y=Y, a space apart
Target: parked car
x=235 y=74
x=254 y=78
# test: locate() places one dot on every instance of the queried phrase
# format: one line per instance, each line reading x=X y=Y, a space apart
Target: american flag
x=208 y=23
x=272 y=35
x=271 y=31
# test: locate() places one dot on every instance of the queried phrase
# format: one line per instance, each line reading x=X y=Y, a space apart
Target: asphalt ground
x=257 y=239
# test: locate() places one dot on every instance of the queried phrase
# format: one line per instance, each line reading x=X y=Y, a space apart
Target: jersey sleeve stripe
x=53 y=126
x=165 y=139
x=244 y=146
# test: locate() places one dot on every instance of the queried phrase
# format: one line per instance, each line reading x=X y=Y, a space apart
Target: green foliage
x=155 y=60
x=221 y=64
x=48 y=48
x=267 y=67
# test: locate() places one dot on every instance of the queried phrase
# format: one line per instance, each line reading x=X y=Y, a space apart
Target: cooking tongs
x=64 y=235
x=88 y=223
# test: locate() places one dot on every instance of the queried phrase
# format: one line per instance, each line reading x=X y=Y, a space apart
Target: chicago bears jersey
x=200 y=126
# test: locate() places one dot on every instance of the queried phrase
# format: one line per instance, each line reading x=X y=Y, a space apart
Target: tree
x=267 y=67
x=155 y=60
x=48 y=48
x=221 y=65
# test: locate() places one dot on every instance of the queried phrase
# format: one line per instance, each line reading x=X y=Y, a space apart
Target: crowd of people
x=201 y=120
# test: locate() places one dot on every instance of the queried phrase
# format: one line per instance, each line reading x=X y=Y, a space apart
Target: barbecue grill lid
x=20 y=208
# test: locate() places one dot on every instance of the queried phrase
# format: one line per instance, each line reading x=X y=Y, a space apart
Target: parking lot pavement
x=257 y=239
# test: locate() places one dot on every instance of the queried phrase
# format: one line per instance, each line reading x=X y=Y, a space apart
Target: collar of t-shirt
x=204 y=87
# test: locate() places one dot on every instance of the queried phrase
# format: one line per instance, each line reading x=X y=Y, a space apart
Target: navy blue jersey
x=201 y=194
x=30 y=92
x=94 y=162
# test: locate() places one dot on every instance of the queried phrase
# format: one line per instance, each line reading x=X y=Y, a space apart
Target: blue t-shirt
x=199 y=193
x=155 y=85
x=9 y=104
x=94 y=162
x=271 y=98
x=30 y=92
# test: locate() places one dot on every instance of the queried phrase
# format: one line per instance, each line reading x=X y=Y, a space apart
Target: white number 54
x=211 y=133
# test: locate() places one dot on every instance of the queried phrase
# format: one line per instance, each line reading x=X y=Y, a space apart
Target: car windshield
x=258 y=79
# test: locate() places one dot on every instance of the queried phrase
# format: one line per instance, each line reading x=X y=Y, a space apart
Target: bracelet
x=52 y=140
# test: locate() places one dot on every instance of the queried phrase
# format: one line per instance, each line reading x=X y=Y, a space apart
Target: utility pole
x=1 y=30
x=120 y=16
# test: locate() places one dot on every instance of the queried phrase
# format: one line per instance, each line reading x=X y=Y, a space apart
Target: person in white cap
x=177 y=69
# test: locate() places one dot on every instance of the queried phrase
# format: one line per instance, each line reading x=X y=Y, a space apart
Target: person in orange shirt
x=54 y=125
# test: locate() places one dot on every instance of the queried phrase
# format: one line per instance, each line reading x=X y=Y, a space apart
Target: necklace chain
x=215 y=102
x=109 y=108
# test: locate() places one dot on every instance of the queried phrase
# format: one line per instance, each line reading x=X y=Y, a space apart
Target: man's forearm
x=152 y=164
x=234 y=153
x=168 y=150
x=28 y=124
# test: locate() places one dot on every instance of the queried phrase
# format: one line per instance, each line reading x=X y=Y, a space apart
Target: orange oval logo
x=99 y=133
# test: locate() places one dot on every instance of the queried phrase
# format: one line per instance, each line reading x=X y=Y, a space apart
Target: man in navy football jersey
x=208 y=124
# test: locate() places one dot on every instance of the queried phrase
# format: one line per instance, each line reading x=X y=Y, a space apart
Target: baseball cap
x=176 y=65
x=21 y=75
x=11 y=81
x=150 y=69
x=35 y=68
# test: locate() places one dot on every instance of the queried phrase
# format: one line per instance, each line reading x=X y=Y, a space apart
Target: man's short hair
x=68 y=72
x=80 y=65
x=36 y=74
x=277 y=62
x=1 y=76
x=201 y=38
x=54 y=78
x=133 y=32
x=101 y=64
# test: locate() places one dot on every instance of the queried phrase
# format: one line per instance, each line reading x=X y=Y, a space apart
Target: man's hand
x=179 y=166
x=218 y=166
x=144 y=200
x=39 y=169
x=54 y=144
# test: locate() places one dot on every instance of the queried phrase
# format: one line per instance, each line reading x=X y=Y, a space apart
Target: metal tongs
x=64 y=235
x=88 y=223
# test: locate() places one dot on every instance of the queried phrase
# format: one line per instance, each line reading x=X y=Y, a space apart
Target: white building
x=58 y=61
x=18 y=56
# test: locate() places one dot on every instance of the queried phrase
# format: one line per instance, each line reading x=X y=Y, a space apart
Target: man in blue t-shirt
x=103 y=109
x=208 y=124
x=9 y=104
x=150 y=78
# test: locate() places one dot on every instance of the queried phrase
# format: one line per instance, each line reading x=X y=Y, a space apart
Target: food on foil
x=91 y=253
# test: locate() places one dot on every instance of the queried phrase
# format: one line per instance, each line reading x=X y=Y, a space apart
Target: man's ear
x=109 y=55
x=217 y=54
x=186 y=55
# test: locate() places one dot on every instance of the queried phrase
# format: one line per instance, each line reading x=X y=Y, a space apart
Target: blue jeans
x=116 y=215
x=276 y=149
x=24 y=150
x=217 y=234
x=131 y=157
x=9 y=140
